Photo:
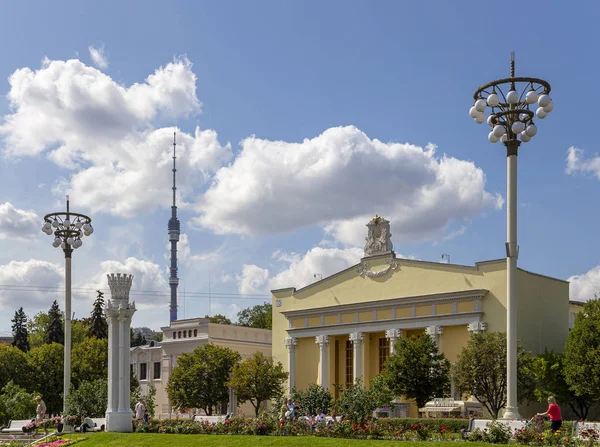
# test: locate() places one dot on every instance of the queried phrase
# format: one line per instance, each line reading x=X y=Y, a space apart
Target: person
x=321 y=416
x=86 y=424
x=40 y=411
x=139 y=411
x=554 y=412
x=146 y=415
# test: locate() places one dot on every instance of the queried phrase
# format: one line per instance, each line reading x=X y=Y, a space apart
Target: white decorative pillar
x=357 y=339
x=290 y=344
x=323 y=342
x=435 y=332
x=118 y=313
x=393 y=335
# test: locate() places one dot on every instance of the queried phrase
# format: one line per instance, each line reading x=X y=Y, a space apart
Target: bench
x=99 y=425
x=212 y=419
x=15 y=426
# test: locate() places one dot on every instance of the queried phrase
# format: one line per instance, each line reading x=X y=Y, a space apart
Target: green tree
x=54 y=331
x=89 y=399
x=258 y=379
x=98 y=325
x=550 y=379
x=89 y=361
x=417 y=370
x=79 y=330
x=14 y=367
x=37 y=328
x=313 y=398
x=219 y=319
x=198 y=380
x=19 y=330
x=582 y=352
x=358 y=402
x=138 y=339
x=157 y=337
x=480 y=371
x=259 y=316
x=46 y=364
x=16 y=403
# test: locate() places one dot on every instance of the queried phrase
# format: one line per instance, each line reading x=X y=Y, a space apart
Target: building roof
x=577 y=303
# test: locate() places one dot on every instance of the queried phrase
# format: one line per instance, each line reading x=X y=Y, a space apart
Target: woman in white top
x=40 y=411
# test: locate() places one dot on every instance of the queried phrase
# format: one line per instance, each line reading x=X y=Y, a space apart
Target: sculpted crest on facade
x=379 y=242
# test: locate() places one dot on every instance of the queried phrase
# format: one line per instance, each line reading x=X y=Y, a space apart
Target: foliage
x=582 y=352
x=259 y=316
x=98 y=324
x=548 y=369
x=89 y=361
x=416 y=370
x=258 y=379
x=19 y=330
x=480 y=371
x=313 y=398
x=54 y=330
x=46 y=365
x=16 y=403
x=149 y=400
x=13 y=366
x=357 y=403
x=218 y=319
x=157 y=337
x=198 y=380
x=90 y=398
x=138 y=339
x=495 y=433
x=36 y=327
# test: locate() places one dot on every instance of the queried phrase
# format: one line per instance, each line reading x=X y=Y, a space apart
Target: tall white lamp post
x=511 y=101
x=68 y=229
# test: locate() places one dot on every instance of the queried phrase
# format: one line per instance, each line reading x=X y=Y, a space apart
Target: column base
x=119 y=421
x=511 y=413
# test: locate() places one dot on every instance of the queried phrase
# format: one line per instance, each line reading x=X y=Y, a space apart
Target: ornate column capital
x=290 y=342
x=357 y=337
x=393 y=334
x=476 y=327
x=434 y=330
x=322 y=340
x=120 y=284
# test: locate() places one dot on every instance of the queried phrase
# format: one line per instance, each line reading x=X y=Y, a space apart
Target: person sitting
x=86 y=425
x=321 y=416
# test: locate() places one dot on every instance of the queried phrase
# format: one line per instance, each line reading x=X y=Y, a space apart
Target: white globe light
x=540 y=113
x=86 y=233
x=531 y=97
x=48 y=231
x=86 y=227
x=91 y=230
x=498 y=131
x=517 y=127
x=512 y=97
x=480 y=119
x=504 y=138
x=550 y=107
x=474 y=112
x=70 y=241
x=544 y=100
x=63 y=245
x=56 y=242
x=66 y=222
x=78 y=224
x=55 y=223
x=47 y=226
x=78 y=243
x=531 y=130
x=480 y=105
x=493 y=138
x=524 y=137
x=493 y=100
x=490 y=120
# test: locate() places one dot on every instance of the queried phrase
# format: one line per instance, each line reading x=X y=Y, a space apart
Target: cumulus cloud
x=577 y=163
x=149 y=289
x=18 y=224
x=29 y=280
x=98 y=57
x=586 y=286
x=84 y=121
x=253 y=280
x=340 y=179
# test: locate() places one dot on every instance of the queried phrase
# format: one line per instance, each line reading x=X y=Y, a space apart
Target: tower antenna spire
x=174 y=230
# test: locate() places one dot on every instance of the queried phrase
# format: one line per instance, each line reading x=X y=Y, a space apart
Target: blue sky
x=280 y=81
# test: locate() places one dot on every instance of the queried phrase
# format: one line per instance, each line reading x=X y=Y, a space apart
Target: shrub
x=312 y=398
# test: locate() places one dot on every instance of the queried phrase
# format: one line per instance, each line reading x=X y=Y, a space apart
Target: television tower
x=174 y=227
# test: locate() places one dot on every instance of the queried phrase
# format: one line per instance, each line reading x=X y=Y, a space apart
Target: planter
x=59 y=427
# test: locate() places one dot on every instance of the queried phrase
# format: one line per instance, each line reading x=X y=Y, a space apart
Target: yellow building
x=152 y=364
x=344 y=326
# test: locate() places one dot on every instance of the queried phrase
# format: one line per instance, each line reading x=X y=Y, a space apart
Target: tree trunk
x=256 y=407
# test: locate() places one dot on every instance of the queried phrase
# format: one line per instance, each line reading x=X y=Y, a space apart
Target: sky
x=296 y=123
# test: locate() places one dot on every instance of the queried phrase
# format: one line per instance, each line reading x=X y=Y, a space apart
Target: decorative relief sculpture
x=378 y=238
x=364 y=270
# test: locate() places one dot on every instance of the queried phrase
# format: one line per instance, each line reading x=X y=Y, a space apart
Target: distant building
x=152 y=363
x=6 y=338
x=146 y=332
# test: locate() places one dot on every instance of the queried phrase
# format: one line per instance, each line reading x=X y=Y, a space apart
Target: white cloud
x=98 y=57
x=253 y=280
x=30 y=278
x=340 y=179
x=576 y=163
x=18 y=224
x=586 y=286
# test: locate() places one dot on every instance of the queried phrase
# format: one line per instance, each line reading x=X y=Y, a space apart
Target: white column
x=113 y=359
x=512 y=253
x=323 y=342
x=67 y=332
x=290 y=344
x=393 y=335
x=122 y=371
x=357 y=343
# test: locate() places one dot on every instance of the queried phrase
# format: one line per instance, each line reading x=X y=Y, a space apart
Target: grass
x=168 y=440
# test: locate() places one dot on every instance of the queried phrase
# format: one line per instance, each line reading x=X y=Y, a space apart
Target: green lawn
x=164 y=440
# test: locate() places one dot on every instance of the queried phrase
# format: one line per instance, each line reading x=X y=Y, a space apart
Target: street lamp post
x=511 y=119
x=68 y=229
